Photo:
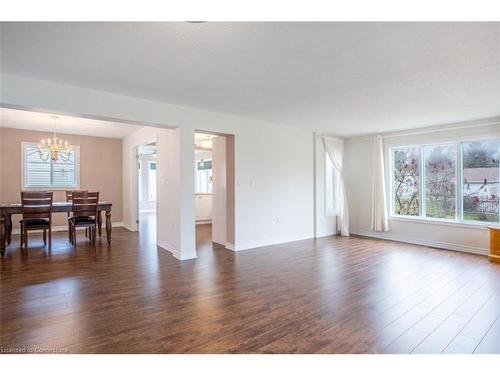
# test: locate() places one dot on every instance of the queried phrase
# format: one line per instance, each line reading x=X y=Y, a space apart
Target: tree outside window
x=406 y=181
x=440 y=177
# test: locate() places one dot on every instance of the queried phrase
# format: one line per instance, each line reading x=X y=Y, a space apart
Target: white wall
x=358 y=175
x=203 y=208
x=273 y=163
x=219 y=190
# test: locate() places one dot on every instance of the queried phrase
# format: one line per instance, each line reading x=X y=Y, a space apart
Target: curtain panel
x=335 y=149
x=380 y=217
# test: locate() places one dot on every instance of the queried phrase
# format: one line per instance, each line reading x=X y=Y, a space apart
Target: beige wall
x=100 y=168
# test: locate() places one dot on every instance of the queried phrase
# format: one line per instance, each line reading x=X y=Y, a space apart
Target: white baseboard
x=230 y=246
x=64 y=228
x=130 y=227
x=418 y=241
x=175 y=252
x=269 y=242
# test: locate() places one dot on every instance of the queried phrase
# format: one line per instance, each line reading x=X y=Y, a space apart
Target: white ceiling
x=340 y=78
x=27 y=120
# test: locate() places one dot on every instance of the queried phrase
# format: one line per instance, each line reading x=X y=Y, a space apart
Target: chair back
x=69 y=194
x=85 y=203
x=37 y=204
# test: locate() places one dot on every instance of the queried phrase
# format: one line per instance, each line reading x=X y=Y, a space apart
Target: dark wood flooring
x=331 y=295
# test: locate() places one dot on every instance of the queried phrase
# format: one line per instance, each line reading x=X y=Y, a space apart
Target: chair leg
x=45 y=236
x=25 y=239
x=21 y=238
x=69 y=232
x=86 y=234
x=50 y=238
x=74 y=235
x=94 y=234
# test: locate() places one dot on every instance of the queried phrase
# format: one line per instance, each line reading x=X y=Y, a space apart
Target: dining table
x=9 y=209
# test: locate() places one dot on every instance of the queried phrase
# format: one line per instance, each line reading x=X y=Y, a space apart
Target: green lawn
x=475 y=216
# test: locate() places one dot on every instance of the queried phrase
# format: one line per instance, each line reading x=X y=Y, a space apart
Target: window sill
x=456 y=224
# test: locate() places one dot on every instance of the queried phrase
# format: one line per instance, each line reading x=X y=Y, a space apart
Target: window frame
x=457 y=142
x=76 y=149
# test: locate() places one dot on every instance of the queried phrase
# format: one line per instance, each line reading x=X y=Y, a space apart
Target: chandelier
x=54 y=148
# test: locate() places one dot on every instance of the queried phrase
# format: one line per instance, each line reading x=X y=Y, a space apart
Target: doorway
x=214 y=191
x=147 y=166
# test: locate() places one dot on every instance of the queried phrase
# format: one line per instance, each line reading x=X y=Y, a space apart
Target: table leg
x=8 y=228
x=99 y=223
x=108 y=225
x=2 y=234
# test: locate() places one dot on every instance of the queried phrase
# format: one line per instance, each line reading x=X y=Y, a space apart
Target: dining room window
x=49 y=174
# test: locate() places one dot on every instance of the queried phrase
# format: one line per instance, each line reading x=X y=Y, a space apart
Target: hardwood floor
x=331 y=295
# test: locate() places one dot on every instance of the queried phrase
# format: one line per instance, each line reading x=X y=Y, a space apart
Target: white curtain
x=380 y=218
x=335 y=149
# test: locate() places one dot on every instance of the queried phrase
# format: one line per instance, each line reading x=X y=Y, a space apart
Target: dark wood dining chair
x=69 y=198
x=84 y=214
x=37 y=215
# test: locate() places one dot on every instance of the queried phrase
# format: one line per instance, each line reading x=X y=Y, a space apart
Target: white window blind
x=49 y=174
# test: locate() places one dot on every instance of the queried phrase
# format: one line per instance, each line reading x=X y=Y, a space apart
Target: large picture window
x=424 y=181
x=39 y=174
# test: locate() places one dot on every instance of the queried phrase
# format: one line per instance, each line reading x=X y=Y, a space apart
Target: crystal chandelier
x=54 y=148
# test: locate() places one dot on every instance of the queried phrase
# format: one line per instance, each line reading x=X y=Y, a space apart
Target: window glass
x=152 y=181
x=330 y=205
x=480 y=180
x=203 y=176
x=440 y=181
x=405 y=184
x=49 y=174
x=139 y=177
